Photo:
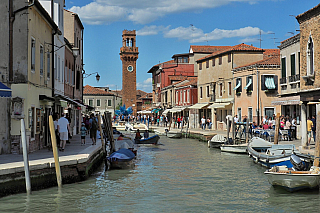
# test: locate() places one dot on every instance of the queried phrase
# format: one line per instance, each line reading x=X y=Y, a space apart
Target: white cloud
x=142 y=11
x=145 y=85
x=194 y=34
x=248 y=40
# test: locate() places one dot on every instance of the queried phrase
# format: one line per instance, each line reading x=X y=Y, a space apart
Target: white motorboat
x=293 y=180
x=174 y=134
x=237 y=148
x=216 y=141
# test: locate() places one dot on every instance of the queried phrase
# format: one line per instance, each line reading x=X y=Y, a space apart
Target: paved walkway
x=74 y=148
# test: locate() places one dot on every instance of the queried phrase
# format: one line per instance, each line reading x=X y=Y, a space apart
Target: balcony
x=283 y=80
x=294 y=78
x=212 y=98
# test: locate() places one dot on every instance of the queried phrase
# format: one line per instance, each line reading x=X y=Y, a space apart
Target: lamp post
x=85 y=75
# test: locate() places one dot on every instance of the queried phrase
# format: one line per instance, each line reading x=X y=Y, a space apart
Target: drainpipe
x=52 y=51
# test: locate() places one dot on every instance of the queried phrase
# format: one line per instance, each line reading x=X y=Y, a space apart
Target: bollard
x=25 y=157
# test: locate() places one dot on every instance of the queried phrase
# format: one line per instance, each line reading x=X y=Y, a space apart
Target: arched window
x=310 y=57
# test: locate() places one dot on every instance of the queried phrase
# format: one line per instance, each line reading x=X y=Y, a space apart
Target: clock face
x=130 y=68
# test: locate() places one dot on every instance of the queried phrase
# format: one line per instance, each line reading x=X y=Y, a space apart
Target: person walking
x=93 y=128
x=55 y=122
x=203 y=123
x=314 y=123
x=309 y=130
x=83 y=131
x=63 y=128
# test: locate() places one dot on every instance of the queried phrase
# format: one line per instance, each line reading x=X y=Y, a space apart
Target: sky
x=166 y=27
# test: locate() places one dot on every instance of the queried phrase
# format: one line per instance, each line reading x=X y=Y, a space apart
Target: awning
x=66 y=98
x=63 y=104
x=198 y=106
x=293 y=100
x=238 y=85
x=5 y=91
x=46 y=98
x=249 y=83
x=218 y=105
x=166 y=111
x=269 y=82
x=177 y=109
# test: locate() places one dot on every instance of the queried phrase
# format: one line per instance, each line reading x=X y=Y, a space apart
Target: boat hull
x=174 y=134
x=240 y=149
x=293 y=182
x=121 y=164
x=151 y=140
x=215 y=144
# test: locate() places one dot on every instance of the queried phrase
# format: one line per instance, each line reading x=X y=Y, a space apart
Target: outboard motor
x=298 y=164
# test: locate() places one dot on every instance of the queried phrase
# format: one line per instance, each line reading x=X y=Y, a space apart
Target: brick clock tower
x=129 y=55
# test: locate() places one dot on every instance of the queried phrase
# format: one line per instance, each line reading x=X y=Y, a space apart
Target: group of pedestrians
x=205 y=123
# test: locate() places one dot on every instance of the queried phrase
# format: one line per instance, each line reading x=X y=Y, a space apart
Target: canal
x=182 y=175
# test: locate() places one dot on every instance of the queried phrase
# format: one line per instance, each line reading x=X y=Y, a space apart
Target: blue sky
x=167 y=27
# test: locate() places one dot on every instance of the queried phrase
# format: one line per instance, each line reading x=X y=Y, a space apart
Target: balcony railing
x=283 y=80
x=294 y=78
x=297 y=77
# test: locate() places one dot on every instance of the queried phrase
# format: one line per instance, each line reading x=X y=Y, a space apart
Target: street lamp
x=85 y=75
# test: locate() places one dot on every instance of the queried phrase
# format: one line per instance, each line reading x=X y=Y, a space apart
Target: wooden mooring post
x=317 y=148
x=276 y=134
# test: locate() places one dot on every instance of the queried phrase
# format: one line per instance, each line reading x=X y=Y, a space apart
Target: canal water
x=182 y=175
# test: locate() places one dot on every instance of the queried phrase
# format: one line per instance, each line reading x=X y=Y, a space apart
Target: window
x=220 y=89
x=109 y=103
x=98 y=102
x=33 y=54
x=41 y=60
x=213 y=62
x=90 y=102
x=181 y=97
x=310 y=61
x=249 y=84
x=239 y=114
x=48 y=65
x=184 y=96
x=78 y=80
x=250 y=116
x=55 y=67
x=238 y=88
x=269 y=82
x=38 y=120
x=293 y=64
x=176 y=97
x=220 y=60
x=188 y=96
x=208 y=91
x=269 y=112
x=283 y=68
x=207 y=64
x=200 y=66
x=200 y=92
x=298 y=62
x=229 y=57
x=229 y=88
x=59 y=71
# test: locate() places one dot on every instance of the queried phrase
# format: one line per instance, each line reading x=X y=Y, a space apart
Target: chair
x=271 y=135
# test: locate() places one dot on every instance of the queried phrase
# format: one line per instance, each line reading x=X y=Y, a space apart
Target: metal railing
x=283 y=80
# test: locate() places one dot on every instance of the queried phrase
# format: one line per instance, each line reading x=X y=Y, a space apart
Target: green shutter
x=293 y=64
x=283 y=67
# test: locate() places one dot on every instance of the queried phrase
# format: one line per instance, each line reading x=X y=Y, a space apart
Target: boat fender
x=256 y=160
x=249 y=155
x=208 y=144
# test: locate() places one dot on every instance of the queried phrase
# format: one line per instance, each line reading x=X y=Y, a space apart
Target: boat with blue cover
x=121 y=159
x=269 y=155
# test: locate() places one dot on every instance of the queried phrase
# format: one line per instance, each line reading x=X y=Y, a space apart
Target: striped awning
x=198 y=106
x=5 y=91
x=166 y=111
x=238 y=85
x=292 y=100
x=218 y=105
x=269 y=82
x=177 y=109
x=249 y=83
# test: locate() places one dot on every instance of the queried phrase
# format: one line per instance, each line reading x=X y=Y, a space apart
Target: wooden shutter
x=283 y=68
x=229 y=57
x=213 y=62
x=263 y=86
x=275 y=78
x=220 y=60
x=293 y=64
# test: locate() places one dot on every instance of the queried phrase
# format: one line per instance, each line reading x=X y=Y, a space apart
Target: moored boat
x=216 y=141
x=121 y=159
x=269 y=155
x=234 y=148
x=296 y=178
x=174 y=134
x=151 y=140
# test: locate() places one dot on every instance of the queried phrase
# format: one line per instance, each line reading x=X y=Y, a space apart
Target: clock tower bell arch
x=129 y=55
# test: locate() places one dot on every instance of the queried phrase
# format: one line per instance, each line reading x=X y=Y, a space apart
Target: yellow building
x=32 y=74
x=256 y=86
